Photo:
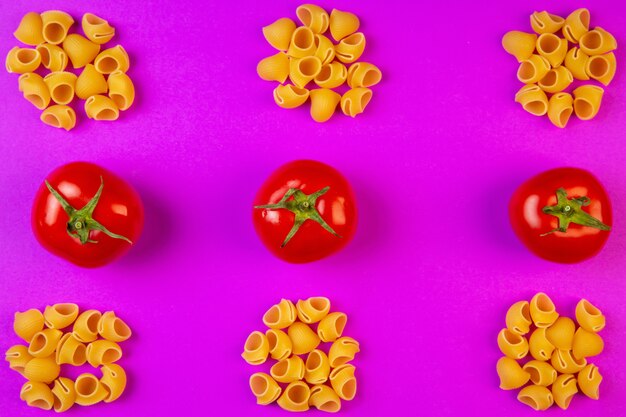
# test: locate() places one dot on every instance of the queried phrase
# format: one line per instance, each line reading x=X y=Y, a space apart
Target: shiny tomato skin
x=119 y=209
x=529 y=222
x=337 y=207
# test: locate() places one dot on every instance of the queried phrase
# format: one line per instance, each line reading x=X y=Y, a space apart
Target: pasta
x=564 y=389
x=302 y=43
x=512 y=344
x=62 y=117
x=53 y=57
x=587 y=100
x=100 y=107
x=560 y=109
x=544 y=22
x=59 y=316
x=114 y=380
x=343 y=382
x=536 y=397
x=283 y=314
x=576 y=25
x=511 y=374
x=351 y=48
x=90 y=83
x=597 y=42
x=264 y=388
x=542 y=310
x=589 y=380
x=22 y=60
x=43 y=370
x=86 y=325
x=363 y=74
x=304 y=339
x=278 y=34
x=37 y=394
x=96 y=29
x=112 y=328
x=541 y=373
x=30 y=29
x=533 y=99
x=317 y=367
x=112 y=59
x=313 y=17
x=586 y=344
x=331 y=327
x=71 y=351
x=89 y=390
x=64 y=394
x=540 y=347
x=355 y=100
x=343 y=24
x=576 y=62
x=295 y=397
x=342 y=351
x=256 y=349
x=274 y=68
x=56 y=24
x=34 y=90
x=518 y=318
x=519 y=44
x=80 y=50
x=323 y=104
x=552 y=48
x=303 y=70
x=601 y=68
x=324 y=399
x=279 y=344
x=28 y=323
x=18 y=357
x=564 y=362
x=324 y=49
x=61 y=86
x=533 y=69
x=561 y=333
x=313 y=309
x=589 y=317
x=332 y=75
x=103 y=352
x=44 y=343
x=288 y=370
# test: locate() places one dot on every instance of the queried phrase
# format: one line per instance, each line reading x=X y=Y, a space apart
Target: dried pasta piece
x=541 y=373
x=288 y=370
x=62 y=117
x=586 y=344
x=537 y=397
x=290 y=96
x=323 y=104
x=34 y=89
x=589 y=380
x=332 y=75
x=351 y=48
x=313 y=309
x=518 y=318
x=279 y=33
x=587 y=101
x=30 y=29
x=342 y=351
x=343 y=381
x=80 y=50
x=295 y=397
x=264 y=388
x=279 y=344
x=53 y=57
x=589 y=317
x=274 y=68
x=560 y=109
x=576 y=62
x=317 y=367
x=44 y=343
x=533 y=69
x=354 y=101
x=61 y=85
x=37 y=394
x=28 y=323
x=302 y=43
x=56 y=24
x=22 y=60
x=519 y=44
x=96 y=29
x=540 y=347
x=552 y=48
x=86 y=325
x=100 y=107
x=324 y=49
x=283 y=314
x=512 y=344
x=597 y=42
x=64 y=394
x=112 y=59
x=561 y=333
x=564 y=389
x=59 y=316
x=90 y=83
x=331 y=327
x=544 y=22
x=18 y=357
x=71 y=351
x=43 y=370
x=542 y=310
x=564 y=362
x=533 y=99
x=343 y=24
x=89 y=390
x=303 y=338
x=601 y=67
x=576 y=25
x=303 y=70
x=511 y=374
x=103 y=352
x=114 y=380
x=324 y=398
x=314 y=17
x=256 y=348
x=363 y=74
x=113 y=328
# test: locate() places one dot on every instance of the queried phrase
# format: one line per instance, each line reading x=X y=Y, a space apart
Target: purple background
x=433 y=161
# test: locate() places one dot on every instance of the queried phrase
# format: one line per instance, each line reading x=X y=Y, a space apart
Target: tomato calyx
x=81 y=222
x=570 y=211
x=303 y=206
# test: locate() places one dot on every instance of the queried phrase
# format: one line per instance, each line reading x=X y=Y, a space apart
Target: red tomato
x=305 y=211
x=94 y=218
x=562 y=215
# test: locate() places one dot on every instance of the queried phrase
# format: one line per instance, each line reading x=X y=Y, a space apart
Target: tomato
x=86 y=214
x=562 y=215
x=305 y=211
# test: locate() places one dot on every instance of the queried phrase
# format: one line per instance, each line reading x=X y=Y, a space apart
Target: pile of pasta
x=93 y=339
x=549 y=65
x=306 y=55
x=558 y=368
x=310 y=376
x=102 y=83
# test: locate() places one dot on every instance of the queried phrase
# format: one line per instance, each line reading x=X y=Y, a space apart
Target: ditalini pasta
x=30 y=29
x=355 y=100
x=331 y=327
x=363 y=74
x=541 y=373
x=101 y=107
x=589 y=317
x=61 y=85
x=59 y=116
x=519 y=44
x=313 y=17
x=586 y=344
x=113 y=328
x=90 y=83
x=43 y=370
x=563 y=390
x=324 y=398
x=313 y=309
x=324 y=49
x=537 y=397
x=34 y=89
x=332 y=75
x=343 y=24
x=264 y=388
x=560 y=109
x=89 y=390
x=552 y=48
x=283 y=314
x=60 y=316
x=542 y=310
x=28 y=323
x=80 y=50
x=587 y=100
x=295 y=397
x=518 y=318
x=533 y=69
x=544 y=22
x=323 y=104
x=288 y=370
x=589 y=380
x=279 y=344
x=561 y=333
x=103 y=352
x=112 y=59
x=512 y=344
x=256 y=348
x=44 y=343
x=114 y=380
x=343 y=381
x=303 y=70
x=22 y=60
x=18 y=357
x=56 y=24
x=302 y=43
x=274 y=68
x=96 y=29
x=511 y=374
x=279 y=33
x=64 y=394
x=350 y=49
x=576 y=62
x=317 y=367
x=342 y=351
x=37 y=394
x=71 y=351
x=576 y=25
x=539 y=346
x=533 y=99
x=86 y=326
x=303 y=338
x=53 y=57
x=602 y=67
x=564 y=362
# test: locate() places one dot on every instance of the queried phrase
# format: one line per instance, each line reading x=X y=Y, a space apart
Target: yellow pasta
x=355 y=100
x=274 y=68
x=44 y=343
x=86 y=325
x=30 y=29
x=89 y=390
x=561 y=333
x=589 y=380
x=564 y=389
x=112 y=59
x=22 y=60
x=264 y=388
x=363 y=74
x=560 y=109
x=518 y=318
x=324 y=49
x=533 y=99
x=302 y=43
x=62 y=117
x=343 y=24
x=317 y=367
x=289 y=97
x=576 y=62
x=597 y=42
x=56 y=24
x=586 y=344
x=602 y=68
x=114 y=380
x=256 y=348
x=331 y=327
x=64 y=394
x=576 y=25
x=323 y=104
x=552 y=48
x=539 y=346
x=536 y=397
x=332 y=75
x=279 y=344
x=564 y=362
x=342 y=351
x=37 y=394
x=303 y=338
x=90 y=82
x=544 y=22
x=34 y=89
x=80 y=50
x=542 y=310
x=102 y=108
x=113 y=328
x=28 y=323
x=53 y=57
x=351 y=48
x=278 y=34
x=313 y=309
x=541 y=373
x=314 y=17
x=512 y=344
x=343 y=381
x=71 y=351
x=303 y=70
x=511 y=374
x=288 y=370
x=59 y=316
x=43 y=370
x=589 y=317
x=587 y=101
x=103 y=352
x=533 y=69
x=18 y=357
x=96 y=29
x=519 y=44
x=324 y=399
x=283 y=314
x=62 y=86
x=295 y=397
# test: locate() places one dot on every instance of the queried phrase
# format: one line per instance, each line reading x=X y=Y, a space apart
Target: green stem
x=570 y=211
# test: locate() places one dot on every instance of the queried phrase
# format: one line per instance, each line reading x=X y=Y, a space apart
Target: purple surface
x=433 y=160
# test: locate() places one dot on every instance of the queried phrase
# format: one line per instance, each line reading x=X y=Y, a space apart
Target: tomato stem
x=570 y=211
